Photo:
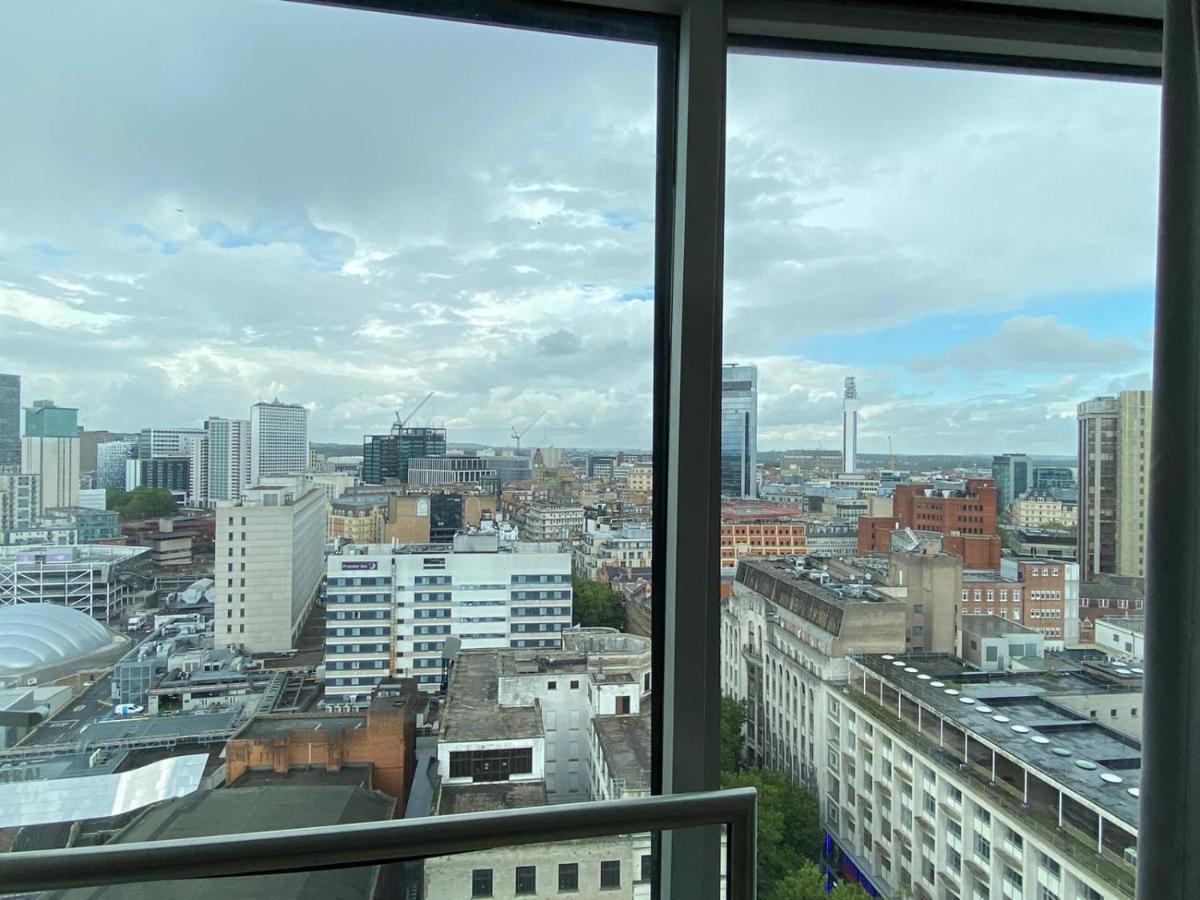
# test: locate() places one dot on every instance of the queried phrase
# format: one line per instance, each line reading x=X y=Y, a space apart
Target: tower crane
x=517 y=435
x=400 y=423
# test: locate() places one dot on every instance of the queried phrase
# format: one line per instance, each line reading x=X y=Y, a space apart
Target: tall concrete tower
x=850 y=426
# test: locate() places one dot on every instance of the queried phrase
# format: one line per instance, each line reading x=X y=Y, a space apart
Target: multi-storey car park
x=88 y=577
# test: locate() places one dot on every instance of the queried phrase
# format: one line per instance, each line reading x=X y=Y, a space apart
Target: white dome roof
x=33 y=635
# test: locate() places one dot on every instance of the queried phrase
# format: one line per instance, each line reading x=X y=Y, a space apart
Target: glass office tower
x=739 y=424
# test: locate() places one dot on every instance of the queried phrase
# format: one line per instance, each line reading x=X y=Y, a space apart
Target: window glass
x=366 y=303
x=931 y=275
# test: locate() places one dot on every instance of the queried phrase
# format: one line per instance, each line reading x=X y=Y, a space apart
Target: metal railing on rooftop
x=375 y=843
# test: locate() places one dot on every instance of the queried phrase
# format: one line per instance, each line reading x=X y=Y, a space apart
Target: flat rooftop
x=1016 y=713
x=349 y=776
x=533 y=662
x=625 y=742
x=490 y=796
x=1135 y=624
x=182 y=726
x=994 y=626
x=472 y=711
x=263 y=727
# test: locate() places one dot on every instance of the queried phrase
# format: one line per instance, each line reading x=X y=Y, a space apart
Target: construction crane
x=400 y=423
x=517 y=435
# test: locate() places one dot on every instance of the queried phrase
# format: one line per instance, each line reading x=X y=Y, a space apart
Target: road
x=68 y=726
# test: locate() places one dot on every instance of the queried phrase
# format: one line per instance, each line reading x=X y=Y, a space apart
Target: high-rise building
x=220 y=468
x=10 y=423
x=739 y=427
x=19 y=498
x=269 y=557
x=50 y=450
x=1055 y=478
x=278 y=439
x=170 y=473
x=89 y=445
x=1114 y=474
x=850 y=426
x=154 y=443
x=386 y=456
x=1013 y=474
x=393 y=609
x=111 y=457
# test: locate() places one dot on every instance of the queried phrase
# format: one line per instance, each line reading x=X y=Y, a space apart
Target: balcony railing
x=376 y=843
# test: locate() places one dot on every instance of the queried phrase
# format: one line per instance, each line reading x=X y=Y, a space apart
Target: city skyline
x=502 y=254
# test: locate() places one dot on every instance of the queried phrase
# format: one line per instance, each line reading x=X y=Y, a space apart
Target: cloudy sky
x=207 y=204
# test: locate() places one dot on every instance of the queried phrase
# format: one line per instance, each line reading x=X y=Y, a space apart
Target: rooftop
x=993 y=626
x=1135 y=624
x=625 y=742
x=229 y=811
x=490 y=796
x=1113 y=587
x=261 y=727
x=162 y=726
x=472 y=711
x=50 y=554
x=1016 y=713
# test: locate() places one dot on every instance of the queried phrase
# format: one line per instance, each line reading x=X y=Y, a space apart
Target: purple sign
x=359 y=566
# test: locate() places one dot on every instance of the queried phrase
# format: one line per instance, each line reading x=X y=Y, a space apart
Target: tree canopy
x=789 y=821
x=141 y=502
x=596 y=604
x=733 y=739
x=808 y=883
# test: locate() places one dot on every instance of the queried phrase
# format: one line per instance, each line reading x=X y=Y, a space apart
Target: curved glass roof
x=33 y=635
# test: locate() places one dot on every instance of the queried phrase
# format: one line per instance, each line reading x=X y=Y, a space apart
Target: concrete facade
x=393 y=609
x=220 y=469
x=20 y=497
x=927 y=796
x=544 y=522
x=269 y=560
x=55 y=460
x=278 y=440
x=1114 y=472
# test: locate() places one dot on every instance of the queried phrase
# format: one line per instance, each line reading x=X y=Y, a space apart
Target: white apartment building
x=278 y=439
x=526 y=728
x=269 y=560
x=220 y=468
x=155 y=442
x=1039 y=509
x=941 y=781
x=403 y=608
x=19 y=499
x=546 y=522
x=630 y=547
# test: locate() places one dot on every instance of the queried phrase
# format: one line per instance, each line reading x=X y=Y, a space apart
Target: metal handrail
x=374 y=843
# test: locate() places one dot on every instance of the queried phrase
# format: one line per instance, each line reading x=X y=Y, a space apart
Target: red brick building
x=758 y=528
x=383 y=738
x=966 y=518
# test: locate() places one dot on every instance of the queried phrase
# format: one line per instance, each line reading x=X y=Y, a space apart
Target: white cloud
x=49 y=313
